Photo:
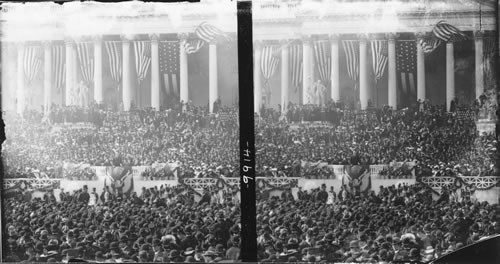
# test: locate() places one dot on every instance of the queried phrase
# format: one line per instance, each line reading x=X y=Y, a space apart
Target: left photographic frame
x=122 y=134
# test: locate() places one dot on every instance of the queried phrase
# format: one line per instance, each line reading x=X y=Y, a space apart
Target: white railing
x=480 y=182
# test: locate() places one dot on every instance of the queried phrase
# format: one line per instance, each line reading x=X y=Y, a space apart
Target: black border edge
x=247 y=132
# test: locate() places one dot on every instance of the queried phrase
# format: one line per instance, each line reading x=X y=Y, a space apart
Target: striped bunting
x=323 y=59
x=429 y=44
x=142 y=52
x=351 y=48
x=209 y=33
x=296 y=65
x=379 y=57
x=269 y=62
x=32 y=62
x=86 y=59
x=447 y=32
x=192 y=47
x=58 y=64
x=115 y=60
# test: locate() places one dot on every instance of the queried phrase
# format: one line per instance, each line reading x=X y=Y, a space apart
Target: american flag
x=115 y=60
x=86 y=59
x=323 y=57
x=59 y=66
x=379 y=57
x=406 y=58
x=447 y=32
x=351 y=48
x=296 y=65
x=192 y=47
x=209 y=33
x=142 y=52
x=32 y=62
x=268 y=64
x=169 y=65
x=429 y=44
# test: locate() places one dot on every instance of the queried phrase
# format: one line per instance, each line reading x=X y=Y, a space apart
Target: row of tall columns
x=71 y=73
x=308 y=71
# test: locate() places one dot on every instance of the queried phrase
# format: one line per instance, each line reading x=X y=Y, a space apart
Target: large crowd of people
x=439 y=142
x=201 y=143
x=163 y=224
x=400 y=223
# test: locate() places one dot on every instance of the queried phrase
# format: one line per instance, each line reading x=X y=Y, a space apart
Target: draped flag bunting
x=142 y=52
x=268 y=64
x=209 y=33
x=447 y=32
x=192 y=47
x=351 y=48
x=442 y=32
x=32 y=62
x=59 y=66
x=379 y=57
x=429 y=44
x=115 y=60
x=169 y=65
x=323 y=59
x=406 y=57
x=296 y=65
x=86 y=59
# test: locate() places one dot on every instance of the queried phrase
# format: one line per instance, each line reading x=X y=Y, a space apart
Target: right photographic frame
x=375 y=130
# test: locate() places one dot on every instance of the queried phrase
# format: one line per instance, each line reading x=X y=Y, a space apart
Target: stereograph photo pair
x=269 y=131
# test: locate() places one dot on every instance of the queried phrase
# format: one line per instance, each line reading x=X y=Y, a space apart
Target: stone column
x=335 y=75
x=98 y=92
x=450 y=75
x=392 y=83
x=307 y=79
x=257 y=75
x=155 y=71
x=126 y=84
x=478 y=51
x=212 y=72
x=68 y=92
x=420 y=70
x=47 y=76
x=285 y=75
x=363 y=72
x=20 y=79
x=184 y=72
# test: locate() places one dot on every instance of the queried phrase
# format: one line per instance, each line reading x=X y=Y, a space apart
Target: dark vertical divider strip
x=247 y=136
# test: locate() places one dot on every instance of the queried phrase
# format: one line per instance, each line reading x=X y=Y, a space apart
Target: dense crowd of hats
x=157 y=226
x=198 y=140
x=400 y=223
x=440 y=143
